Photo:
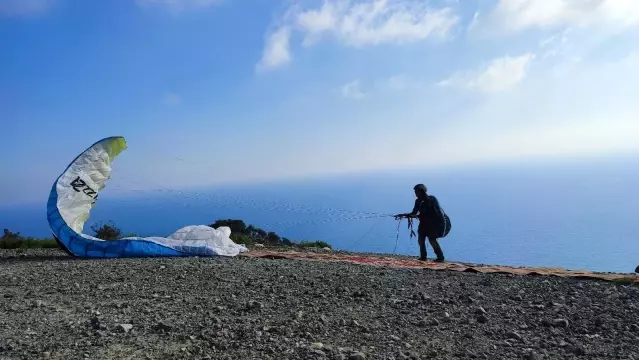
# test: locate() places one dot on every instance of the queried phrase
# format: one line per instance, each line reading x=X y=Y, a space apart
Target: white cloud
x=367 y=23
x=352 y=90
x=276 y=52
x=499 y=75
x=520 y=15
x=172 y=99
x=24 y=7
x=178 y=5
x=397 y=82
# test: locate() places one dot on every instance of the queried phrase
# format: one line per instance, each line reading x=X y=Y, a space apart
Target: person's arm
x=412 y=214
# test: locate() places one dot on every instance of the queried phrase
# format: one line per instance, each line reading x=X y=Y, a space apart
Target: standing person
x=433 y=222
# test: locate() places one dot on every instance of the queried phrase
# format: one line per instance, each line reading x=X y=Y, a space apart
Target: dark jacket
x=426 y=210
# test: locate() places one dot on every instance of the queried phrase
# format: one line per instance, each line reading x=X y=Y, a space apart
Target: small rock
x=317 y=346
x=254 y=305
x=480 y=311
x=319 y=353
x=395 y=338
x=578 y=350
x=560 y=323
x=513 y=335
x=359 y=294
x=533 y=356
x=124 y=328
x=95 y=323
x=357 y=356
x=324 y=319
x=425 y=298
x=164 y=325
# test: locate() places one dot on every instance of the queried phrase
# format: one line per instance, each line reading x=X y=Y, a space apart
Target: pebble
x=561 y=323
x=164 y=325
x=514 y=335
x=125 y=328
x=252 y=304
x=533 y=356
x=357 y=356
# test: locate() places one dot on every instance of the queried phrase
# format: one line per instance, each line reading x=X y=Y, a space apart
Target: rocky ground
x=55 y=307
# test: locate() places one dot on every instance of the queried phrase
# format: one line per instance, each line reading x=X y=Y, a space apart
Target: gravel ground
x=55 y=307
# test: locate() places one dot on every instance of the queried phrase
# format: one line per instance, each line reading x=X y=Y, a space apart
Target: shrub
x=106 y=231
x=242 y=239
x=318 y=244
x=236 y=226
x=11 y=240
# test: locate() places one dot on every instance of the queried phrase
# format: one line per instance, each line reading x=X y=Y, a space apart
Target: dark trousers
x=422 y=235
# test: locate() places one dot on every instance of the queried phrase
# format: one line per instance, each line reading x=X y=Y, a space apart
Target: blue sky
x=219 y=91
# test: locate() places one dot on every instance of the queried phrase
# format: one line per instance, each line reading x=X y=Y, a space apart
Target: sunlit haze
x=209 y=92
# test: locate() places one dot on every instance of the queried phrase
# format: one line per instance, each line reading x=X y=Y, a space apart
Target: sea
x=578 y=214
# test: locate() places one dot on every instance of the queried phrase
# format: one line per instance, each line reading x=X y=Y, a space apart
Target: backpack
x=436 y=216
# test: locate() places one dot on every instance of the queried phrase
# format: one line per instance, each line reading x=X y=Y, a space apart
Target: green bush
x=242 y=239
x=107 y=231
x=11 y=240
x=318 y=244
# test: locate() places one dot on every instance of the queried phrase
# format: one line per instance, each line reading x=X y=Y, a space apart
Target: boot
x=438 y=251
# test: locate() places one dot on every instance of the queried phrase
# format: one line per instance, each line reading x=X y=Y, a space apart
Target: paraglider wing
x=76 y=191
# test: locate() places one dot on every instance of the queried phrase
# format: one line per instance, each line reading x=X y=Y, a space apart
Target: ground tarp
x=395 y=262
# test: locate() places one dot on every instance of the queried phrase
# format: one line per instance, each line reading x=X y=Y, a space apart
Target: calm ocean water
x=581 y=215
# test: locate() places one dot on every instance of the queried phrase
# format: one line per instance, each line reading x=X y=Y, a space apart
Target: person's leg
x=421 y=239
x=438 y=250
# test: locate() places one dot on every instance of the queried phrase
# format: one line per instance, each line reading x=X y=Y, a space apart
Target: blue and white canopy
x=75 y=193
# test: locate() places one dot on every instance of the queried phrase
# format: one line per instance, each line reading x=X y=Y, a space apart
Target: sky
x=222 y=91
